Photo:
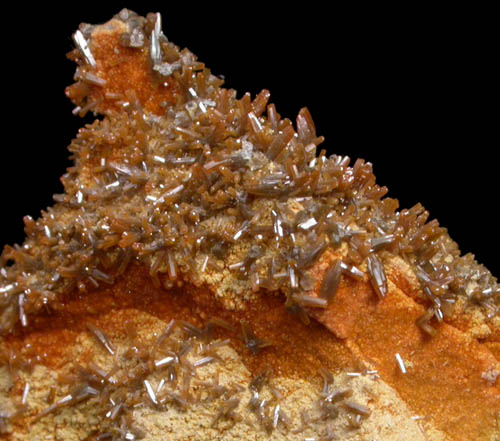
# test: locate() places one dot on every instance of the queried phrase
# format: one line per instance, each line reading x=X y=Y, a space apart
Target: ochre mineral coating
x=121 y=70
x=445 y=374
x=298 y=383
x=185 y=203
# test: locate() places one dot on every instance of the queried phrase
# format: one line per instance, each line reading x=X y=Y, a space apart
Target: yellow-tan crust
x=295 y=357
x=445 y=379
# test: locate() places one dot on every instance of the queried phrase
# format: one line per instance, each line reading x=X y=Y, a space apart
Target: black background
x=411 y=91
